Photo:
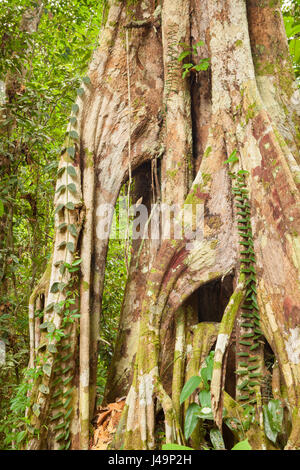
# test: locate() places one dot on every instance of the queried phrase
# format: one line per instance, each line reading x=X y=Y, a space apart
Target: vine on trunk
x=251 y=337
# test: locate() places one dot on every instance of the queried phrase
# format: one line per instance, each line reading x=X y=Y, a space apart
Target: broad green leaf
x=191 y=419
x=205 y=398
x=243 y=445
x=189 y=387
x=1 y=208
x=273 y=416
x=275 y=411
x=20 y=436
x=187 y=66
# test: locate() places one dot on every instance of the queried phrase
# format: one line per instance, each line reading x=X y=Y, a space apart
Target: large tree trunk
x=137 y=108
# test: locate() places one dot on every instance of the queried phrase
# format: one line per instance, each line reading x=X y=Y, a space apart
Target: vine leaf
x=75 y=108
x=73 y=134
x=36 y=409
x=72 y=188
x=47 y=369
x=71 y=152
x=232 y=158
x=72 y=229
x=70 y=206
x=71 y=170
x=70 y=247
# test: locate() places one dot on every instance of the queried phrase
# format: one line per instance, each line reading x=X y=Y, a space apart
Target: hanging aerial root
x=179 y=360
x=226 y=328
x=41 y=288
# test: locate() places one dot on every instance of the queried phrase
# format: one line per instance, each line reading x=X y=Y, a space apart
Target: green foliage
x=243 y=445
x=273 y=419
x=251 y=335
x=291 y=17
x=114 y=286
x=189 y=388
x=203 y=64
x=202 y=413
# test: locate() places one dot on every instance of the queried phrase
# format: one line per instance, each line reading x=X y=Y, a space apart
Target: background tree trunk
x=136 y=108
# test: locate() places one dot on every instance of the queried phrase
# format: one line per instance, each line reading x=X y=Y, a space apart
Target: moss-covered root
x=138 y=433
x=41 y=288
x=172 y=425
x=179 y=361
x=226 y=327
x=294 y=439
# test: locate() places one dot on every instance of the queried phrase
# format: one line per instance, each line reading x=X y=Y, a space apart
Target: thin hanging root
x=85 y=301
x=172 y=425
x=41 y=288
x=179 y=361
x=226 y=328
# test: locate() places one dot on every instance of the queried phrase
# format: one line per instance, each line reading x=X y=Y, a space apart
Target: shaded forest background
x=43 y=69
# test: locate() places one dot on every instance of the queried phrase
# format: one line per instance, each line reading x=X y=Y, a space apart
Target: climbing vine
x=250 y=338
x=62 y=313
